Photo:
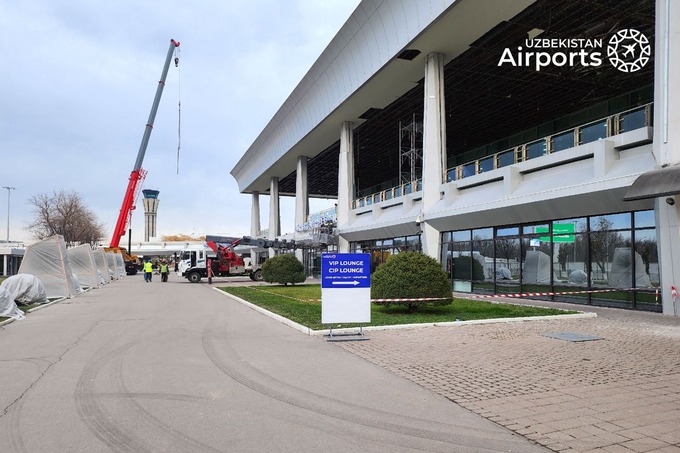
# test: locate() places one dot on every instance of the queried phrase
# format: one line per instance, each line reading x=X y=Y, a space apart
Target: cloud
x=79 y=78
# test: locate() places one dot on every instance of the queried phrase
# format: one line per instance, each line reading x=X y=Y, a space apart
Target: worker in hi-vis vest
x=164 y=271
x=148 y=270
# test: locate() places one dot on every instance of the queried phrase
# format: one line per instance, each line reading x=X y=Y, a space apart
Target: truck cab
x=193 y=264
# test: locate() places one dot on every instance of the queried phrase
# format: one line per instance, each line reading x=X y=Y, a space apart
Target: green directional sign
x=562 y=232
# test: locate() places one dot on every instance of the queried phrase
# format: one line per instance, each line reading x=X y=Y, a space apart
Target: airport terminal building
x=528 y=145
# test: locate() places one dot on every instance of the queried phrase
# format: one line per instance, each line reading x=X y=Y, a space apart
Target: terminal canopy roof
x=484 y=103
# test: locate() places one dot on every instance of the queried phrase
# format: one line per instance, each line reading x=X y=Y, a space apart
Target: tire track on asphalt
x=413 y=437
x=93 y=413
x=13 y=410
x=151 y=421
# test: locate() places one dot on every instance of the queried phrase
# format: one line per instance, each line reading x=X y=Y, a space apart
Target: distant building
x=150 y=202
x=11 y=254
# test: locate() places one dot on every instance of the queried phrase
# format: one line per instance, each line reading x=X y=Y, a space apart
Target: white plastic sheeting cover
x=111 y=263
x=25 y=289
x=8 y=308
x=120 y=264
x=100 y=260
x=84 y=266
x=48 y=260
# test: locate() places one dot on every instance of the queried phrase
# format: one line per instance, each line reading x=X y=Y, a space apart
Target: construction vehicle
x=224 y=259
x=131 y=261
x=138 y=174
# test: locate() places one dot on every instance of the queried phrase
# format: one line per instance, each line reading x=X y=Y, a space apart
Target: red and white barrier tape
x=475 y=296
x=491 y=296
x=414 y=299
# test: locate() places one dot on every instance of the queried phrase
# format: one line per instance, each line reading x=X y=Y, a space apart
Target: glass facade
x=381 y=249
x=609 y=260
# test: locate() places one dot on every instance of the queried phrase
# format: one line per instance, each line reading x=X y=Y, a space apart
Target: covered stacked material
x=8 y=308
x=25 y=289
x=84 y=266
x=49 y=261
x=100 y=260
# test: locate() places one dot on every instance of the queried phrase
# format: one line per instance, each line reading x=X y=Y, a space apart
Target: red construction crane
x=138 y=174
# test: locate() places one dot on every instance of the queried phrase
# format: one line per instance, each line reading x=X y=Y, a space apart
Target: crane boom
x=137 y=174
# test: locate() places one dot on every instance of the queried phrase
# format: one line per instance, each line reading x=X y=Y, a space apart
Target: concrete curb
x=286 y=321
x=40 y=307
x=309 y=331
x=7 y=321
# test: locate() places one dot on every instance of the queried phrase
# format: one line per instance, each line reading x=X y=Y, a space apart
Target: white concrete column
x=274 y=213
x=345 y=181
x=667 y=144
x=5 y=271
x=434 y=147
x=255 y=214
x=301 y=192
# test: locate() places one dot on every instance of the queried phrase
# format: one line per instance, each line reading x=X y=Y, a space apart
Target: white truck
x=225 y=259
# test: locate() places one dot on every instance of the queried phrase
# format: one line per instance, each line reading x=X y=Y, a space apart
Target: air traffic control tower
x=150 y=201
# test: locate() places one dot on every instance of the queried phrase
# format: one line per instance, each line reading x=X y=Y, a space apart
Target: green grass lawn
x=300 y=303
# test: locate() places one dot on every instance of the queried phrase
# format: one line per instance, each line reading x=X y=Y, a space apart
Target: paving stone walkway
x=617 y=394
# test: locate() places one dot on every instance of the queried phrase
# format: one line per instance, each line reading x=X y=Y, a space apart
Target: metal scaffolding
x=410 y=150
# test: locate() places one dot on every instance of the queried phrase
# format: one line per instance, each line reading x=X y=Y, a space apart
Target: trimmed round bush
x=410 y=275
x=283 y=269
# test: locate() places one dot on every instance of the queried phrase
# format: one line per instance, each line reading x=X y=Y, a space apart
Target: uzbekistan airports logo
x=628 y=51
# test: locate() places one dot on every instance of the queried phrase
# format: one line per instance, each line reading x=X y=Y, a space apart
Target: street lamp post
x=9 y=189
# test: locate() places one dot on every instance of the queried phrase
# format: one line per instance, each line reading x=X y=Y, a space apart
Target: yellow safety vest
x=164 y=268
x=148 y=267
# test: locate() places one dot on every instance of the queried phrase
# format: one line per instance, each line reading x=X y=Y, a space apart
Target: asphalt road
x=179 y=367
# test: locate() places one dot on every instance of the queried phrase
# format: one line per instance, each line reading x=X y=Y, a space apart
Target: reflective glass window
x=486 y=164
x=536 y=264
x=482 y=233
x=413 y=240
x=535 y=229
x=646 y=259
x=594 y=132
x=506 y=158
x=536 y=149
x=469 y=169
x=562 y=141
x=611 y=259
x=507 y=231
x=464 y=235
x=644 y=219
x=632 y=120
x=610 y=222
x=580 y=222
x=508 y=262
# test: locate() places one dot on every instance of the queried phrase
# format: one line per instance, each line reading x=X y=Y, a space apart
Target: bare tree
x=64 y=213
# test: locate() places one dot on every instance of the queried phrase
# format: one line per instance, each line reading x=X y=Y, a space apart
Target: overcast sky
x=78 y=79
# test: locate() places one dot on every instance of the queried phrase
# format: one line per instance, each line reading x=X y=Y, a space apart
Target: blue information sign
x=345 y=270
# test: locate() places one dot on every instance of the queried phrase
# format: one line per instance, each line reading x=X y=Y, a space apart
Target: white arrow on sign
x=353 y=282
